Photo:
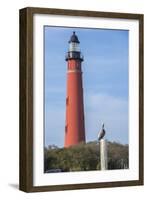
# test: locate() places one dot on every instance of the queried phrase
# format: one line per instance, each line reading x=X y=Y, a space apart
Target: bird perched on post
x=101 y=134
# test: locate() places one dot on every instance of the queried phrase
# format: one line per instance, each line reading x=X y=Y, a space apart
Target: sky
x=105 y=82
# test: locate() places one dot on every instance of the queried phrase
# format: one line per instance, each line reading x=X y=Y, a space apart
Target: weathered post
x=103 y=154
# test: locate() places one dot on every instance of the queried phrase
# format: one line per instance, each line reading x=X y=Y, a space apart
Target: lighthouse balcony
x=74 y=55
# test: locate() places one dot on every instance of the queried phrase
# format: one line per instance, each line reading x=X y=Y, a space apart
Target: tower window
x=67 y=100
x=66 y=127
x=77 y=65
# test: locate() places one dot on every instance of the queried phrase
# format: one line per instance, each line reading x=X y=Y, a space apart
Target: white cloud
x=54 y=125
x=113 y=111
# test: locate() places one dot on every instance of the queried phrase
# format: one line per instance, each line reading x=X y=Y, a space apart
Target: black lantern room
x=74 y=48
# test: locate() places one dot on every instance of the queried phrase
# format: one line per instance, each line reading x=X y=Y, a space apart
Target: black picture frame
x=26 y=99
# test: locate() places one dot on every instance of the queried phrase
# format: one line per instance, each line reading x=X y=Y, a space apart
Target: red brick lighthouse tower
x=74 y=127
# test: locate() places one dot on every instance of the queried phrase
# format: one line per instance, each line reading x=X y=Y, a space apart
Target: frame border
x=26 y=98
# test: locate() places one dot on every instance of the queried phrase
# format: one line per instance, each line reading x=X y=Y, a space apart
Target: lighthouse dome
x=74 y=38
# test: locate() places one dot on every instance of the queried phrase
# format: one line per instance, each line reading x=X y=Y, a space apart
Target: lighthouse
x=74 y=127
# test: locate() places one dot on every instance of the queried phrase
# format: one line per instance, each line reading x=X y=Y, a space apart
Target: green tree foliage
x=84 y=157
x=117 y=156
